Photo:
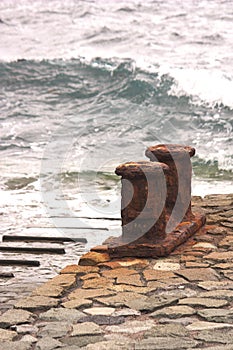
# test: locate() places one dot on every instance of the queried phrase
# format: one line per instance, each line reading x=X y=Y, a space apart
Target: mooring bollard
x=177 y=157
x=143 y=198
x=156 y=204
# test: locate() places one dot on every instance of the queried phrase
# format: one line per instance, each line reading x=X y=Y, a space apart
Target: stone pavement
x=184 y=301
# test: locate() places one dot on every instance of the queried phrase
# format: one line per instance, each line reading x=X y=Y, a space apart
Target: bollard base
x=162 y=248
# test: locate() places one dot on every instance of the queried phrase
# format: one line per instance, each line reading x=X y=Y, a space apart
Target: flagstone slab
x=220 y=336
x=132 y=280
x=14 y=317
x=166 y=266
x=205 y=302
x=61 y=314
x=165 y=343
x=218 y=294
x=200 y=274
x=217 y=315
x=131 y=327
x=121 y=299
x=96 y=283
x=176 y=311
x=105 y=311
x=79 y=270
x=211 y=285
x=153 y=275
x=6 y=335
x=77 y=303
x=15 y=345
x=115 y=273
x=203 y=325
x=86 y=328
x=36 y=302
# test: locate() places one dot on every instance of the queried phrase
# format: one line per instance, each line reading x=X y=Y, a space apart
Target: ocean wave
x=201 y=87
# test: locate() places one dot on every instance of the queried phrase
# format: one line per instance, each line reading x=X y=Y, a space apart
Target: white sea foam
x=212 y=87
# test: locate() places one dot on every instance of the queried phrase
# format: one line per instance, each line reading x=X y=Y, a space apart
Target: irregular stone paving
x=184 y=301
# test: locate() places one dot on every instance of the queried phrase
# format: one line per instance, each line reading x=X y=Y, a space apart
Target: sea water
x=87 y=85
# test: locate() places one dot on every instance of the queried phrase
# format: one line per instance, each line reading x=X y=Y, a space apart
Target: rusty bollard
x=156 y=204
x=143 y=197
x=177 y=157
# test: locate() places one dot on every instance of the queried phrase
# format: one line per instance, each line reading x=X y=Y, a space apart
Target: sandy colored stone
x=61 y=314
x=219 y=336
x=205 y=302
x=153 y=275
x=86 y=328
x=218 y=294
x=167 y=283
x=217 y=315
x=217 y=231
x=121 y=299
x=6 y=335
x=15 y=345
x=47 y=343
x=13 y=317
x=111 y=345
x=166 y=266
x=176 y=311
x=212 y=285
x=63 y=280
x=130 y=288
x=202 y=325
x=79 y=270
x=200 y=274
x=220 y=256
x=56 y=286
x=131 y=327
x=205 y=245
x=77 y=303
x=54 y=329
x=93 y=258
x=114 y=273
x=196 y=264
x=114 y=264
x=151 y=303
x=133 y=280
x=165 y=343
x=96 y=283
x=224 y=266
x=105 y=311
x=36 y=302
x=89 y=276
x=89 y=293
x=226 y=242
x=228 y=274
x=47 y=290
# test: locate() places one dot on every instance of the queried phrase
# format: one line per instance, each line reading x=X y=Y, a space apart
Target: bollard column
x=156 y=204
x=143 y=198
x=177 y=158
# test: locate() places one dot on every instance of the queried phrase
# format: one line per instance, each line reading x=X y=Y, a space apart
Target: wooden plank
x=6 y=275
x=13 y=262
x=32 y=250
x=14 y=238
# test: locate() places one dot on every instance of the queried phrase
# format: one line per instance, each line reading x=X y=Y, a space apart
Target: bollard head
x=142 y=168
x=166 y=152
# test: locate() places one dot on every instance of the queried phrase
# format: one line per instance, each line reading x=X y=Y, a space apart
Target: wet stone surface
x=184 y=301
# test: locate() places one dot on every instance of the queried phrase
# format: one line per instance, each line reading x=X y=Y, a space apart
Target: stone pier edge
x=184 y=301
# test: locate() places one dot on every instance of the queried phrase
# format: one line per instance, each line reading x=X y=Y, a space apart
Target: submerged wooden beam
x=15 y=238
x=14 y=262
x=32 y=250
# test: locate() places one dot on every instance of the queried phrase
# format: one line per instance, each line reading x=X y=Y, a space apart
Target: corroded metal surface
x=143 y=196
x=156 y=203
x=177 y=158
